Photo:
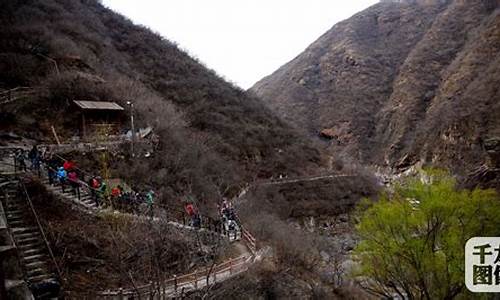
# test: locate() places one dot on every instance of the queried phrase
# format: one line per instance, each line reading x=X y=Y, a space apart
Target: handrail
x=4 y=215
x=15 y=94
x=209 y=224
x=301 y=178
x=176 y=281
x=15 y=89
x=10 y=235
x=233 y=265
x=85 y=184
x=59 y=273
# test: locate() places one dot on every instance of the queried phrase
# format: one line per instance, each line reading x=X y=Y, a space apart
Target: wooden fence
x=18 y=93
x=177 y=285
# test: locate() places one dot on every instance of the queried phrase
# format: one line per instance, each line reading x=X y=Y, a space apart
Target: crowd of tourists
x=68 y=176
x=228 y=215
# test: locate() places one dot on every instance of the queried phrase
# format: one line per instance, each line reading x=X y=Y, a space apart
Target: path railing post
x=195 y=280
x=230 y=267
x=120 y=294
x=164 y=288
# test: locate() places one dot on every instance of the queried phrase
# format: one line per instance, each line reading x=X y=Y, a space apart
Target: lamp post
x=132 y=125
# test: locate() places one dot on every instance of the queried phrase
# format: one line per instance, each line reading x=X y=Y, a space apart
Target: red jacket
x=68 y=165
x=95 y=183
x=190 y=209
x=72 y=176
x=115 y=192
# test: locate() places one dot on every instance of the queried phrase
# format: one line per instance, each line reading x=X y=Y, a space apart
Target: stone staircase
x=27 y=237
x=85 y=198
x=88 y=205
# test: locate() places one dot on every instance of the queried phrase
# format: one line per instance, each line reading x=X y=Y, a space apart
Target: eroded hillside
x=213 y=136
x=400 y=83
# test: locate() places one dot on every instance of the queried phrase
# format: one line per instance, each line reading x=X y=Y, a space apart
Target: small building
x=99 y=116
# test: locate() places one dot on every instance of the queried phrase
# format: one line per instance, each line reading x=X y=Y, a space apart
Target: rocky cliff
x=400 y=83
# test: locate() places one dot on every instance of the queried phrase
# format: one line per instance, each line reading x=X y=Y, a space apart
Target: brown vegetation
x=98 y=252
x=406 y=81
x=213 y=136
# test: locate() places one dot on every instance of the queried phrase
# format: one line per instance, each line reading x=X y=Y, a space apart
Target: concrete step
x=24 y=230
x=27 y=235
x=29 y=240
x=14 y=217
x=35 y=264
x=16 y=200
x=40 y=277
x=32 y=251
x=36 y=271
x=10 y=190
x=89 y=202
x=33 y=258
x=11 y=216
x=16 y=207
x=14 y=212
x=19 y=223
x=13 y=202
x=33 y=244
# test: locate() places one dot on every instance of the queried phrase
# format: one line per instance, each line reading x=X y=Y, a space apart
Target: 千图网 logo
x=482 y=264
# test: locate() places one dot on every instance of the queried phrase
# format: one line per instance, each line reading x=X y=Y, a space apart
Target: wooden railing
x=177 y=285
x=288 y=180
x=12 y=95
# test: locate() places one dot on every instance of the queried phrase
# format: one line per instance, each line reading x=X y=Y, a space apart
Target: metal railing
x=40 y=228
x=15 y=94
x=179 y=284
x=207 y=222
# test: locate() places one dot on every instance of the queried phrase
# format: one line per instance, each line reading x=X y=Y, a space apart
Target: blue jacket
x=61 y=174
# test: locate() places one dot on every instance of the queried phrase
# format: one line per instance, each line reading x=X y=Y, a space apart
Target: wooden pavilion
x=96 y=115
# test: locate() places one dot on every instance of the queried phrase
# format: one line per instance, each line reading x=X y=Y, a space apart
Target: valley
x=357 y=170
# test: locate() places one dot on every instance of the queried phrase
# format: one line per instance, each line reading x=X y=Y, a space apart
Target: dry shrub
x=100 y=252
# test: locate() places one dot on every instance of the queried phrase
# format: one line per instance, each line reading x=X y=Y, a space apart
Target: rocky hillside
x=213 y=135
x=400 y=83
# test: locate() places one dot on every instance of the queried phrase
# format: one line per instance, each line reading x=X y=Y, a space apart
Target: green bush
x=412 y=240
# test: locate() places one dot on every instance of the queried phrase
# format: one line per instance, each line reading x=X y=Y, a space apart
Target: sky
x=242 y=40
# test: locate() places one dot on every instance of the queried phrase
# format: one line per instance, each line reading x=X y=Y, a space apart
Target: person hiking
x=102 y=190
x=68 y=165
x=190 y=209
x=196 y=221
x=51 y=165
x=116 y=193
x=20 y=160
x=34 y=156
x=150 y=201
x=94 y=185
x=74 y=183
x=62 y=176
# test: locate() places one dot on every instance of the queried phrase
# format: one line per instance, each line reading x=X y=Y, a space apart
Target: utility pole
x=132 y=125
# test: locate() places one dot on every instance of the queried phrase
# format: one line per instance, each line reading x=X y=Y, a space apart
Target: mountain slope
x=399 y=83
x=213 y=135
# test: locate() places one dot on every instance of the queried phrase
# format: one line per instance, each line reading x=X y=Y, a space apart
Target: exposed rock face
x=403 y=81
